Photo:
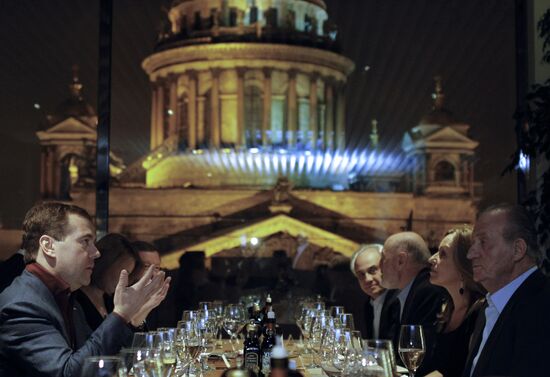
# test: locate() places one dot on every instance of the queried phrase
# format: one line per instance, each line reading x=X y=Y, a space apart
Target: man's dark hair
x=520 y=224
x=112 y=247
x=47 y=218
x=143 y=246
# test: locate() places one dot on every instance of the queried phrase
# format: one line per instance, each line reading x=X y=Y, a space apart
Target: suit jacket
x=421 y=308
x=519 y=342
x=33 y=338
x=386 y=320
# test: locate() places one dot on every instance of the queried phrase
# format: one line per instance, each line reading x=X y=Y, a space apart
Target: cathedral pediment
x=69 y=128
x=449 y=137
x=263 y=229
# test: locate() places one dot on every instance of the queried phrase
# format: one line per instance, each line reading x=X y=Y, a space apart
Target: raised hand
x=130 y=300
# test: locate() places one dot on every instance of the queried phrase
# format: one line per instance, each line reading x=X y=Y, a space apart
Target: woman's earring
x=461 y=290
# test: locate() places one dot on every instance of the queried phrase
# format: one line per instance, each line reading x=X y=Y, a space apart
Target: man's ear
x=402 y=257
x=520 y=249
x=47 y=245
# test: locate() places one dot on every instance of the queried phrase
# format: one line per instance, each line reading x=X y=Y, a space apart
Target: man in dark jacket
x=42 y=331
x=404 y=266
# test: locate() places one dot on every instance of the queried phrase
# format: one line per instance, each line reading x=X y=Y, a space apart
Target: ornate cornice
x=248 y=55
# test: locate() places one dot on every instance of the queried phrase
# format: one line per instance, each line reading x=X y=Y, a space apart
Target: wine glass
x=134 y=361
x=347 y=320
x=412 y=347
x=335 y=311
x=233 y=319
x=375 y=362
x=384 y=344
x=168 y=350
x=104 y=366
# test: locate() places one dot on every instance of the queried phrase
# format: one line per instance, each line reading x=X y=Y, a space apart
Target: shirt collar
x=500 y=298
x=379 y=300
x=57 y=286
x=402 y=295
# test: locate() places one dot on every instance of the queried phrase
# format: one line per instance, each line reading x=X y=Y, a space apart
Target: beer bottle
x=251 y=349
x=268 y=343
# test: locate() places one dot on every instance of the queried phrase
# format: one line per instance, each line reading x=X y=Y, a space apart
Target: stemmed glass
x=233 y=319
x=189 y=344
x=384 y=344
x=102 y=366
x=412 y=347
x=347 y=320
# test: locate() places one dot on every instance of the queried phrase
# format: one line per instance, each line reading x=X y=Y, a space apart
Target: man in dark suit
x=42 y=331
x=365 y=265
x=404 y=266
x=512 y=338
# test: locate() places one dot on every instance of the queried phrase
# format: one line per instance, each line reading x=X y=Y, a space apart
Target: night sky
x=405 y=42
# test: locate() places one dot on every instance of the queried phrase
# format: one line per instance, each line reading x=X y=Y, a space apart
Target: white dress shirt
x=377 y=305
x=495 y=305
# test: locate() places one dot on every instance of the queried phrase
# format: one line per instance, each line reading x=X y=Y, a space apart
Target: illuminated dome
x=243 y=75
x=301 y=22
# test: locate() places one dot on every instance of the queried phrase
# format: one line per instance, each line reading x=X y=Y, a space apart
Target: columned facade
x=304 y=109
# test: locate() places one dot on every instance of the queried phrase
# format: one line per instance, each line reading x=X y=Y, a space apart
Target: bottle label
x=251 y=361
x=266 y=362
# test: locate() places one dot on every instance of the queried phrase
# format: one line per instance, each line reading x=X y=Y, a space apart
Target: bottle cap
x=268 y=299
x=279 y=351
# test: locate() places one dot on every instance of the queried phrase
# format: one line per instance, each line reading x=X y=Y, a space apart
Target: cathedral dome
x=74 y=106
x=439 y=115
x=295 y=22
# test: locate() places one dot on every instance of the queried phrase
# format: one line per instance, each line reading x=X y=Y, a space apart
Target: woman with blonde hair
x=452 y=270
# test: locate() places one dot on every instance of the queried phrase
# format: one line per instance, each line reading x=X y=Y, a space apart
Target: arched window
x=444 y=171
x=253 y=114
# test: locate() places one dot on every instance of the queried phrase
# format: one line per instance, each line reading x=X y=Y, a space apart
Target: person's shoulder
x=25 y=288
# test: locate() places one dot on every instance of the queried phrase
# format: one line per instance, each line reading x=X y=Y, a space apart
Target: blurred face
x=389 y=265
x=444 y=271
x=368 y=272
x=491 y=255
x=148 y=258
x=112 y=274
x=75 y=254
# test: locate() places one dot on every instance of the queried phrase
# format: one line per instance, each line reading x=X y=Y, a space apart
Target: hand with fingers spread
x=149 y=291
x=154 y=300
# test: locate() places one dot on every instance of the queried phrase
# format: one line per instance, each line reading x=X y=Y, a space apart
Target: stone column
x=266 y=119
x=329 y=116
x=192 y=111
x=241 y=142
x=159 y=128
x=153 y=137
x=340 y=135
x=215 y=132
x=200 y=118
x=173 y=116
x=292 y=116
x=313 y=124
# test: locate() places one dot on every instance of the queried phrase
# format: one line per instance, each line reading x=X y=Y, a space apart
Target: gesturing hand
x=129 y=301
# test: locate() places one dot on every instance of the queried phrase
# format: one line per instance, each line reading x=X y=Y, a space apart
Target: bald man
x=404 y=267
x=365 y=265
